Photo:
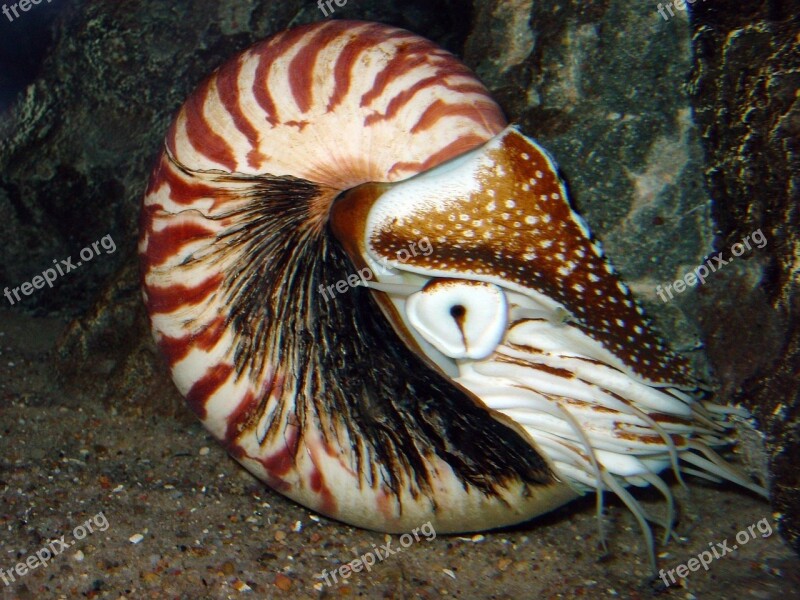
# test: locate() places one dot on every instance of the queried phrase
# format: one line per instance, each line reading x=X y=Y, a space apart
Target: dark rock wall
x=76 y=148
x=602 y=86
x=745 y=89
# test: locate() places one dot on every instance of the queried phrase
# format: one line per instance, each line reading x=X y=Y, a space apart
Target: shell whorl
x=311 y=398
x=338 y=104
x=314 y=111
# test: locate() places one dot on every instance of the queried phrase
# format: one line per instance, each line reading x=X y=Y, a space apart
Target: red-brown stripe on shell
x=477 y=385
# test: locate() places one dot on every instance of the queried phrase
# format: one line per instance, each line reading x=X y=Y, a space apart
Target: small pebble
x=280 y=536
x=136 y=538
x=449 y=573
x=150 y=577
x=204 y=451
x=241 y=586
x=282 y=582
x=78 y=556
x=298 y=527
x=504 y=563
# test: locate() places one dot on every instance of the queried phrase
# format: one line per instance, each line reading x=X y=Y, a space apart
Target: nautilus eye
x=375 y=294
x=462 y=319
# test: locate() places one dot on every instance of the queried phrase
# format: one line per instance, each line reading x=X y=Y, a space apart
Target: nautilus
x=376 y=295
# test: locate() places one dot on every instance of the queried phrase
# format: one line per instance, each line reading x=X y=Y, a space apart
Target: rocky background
x=678 y=137
x=745 y=92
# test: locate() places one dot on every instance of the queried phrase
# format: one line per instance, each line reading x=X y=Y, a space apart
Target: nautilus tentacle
x=376 y=295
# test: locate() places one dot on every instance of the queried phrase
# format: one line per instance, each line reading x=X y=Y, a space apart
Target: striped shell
x=489 y=380
x=233 y=246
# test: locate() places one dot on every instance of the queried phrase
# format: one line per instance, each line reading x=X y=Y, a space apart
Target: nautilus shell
x=375 y=294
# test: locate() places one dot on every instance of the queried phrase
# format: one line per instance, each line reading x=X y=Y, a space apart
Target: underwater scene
x=403 y=299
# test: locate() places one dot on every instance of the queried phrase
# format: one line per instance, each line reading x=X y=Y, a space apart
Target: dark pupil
x=457 y=311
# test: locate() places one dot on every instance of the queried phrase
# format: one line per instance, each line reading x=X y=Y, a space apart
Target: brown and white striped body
x=370 y=406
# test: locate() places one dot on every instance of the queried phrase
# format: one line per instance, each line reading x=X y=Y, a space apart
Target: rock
x=601 y=86
x=108 y=354
x=282 y=582
x=744 y=91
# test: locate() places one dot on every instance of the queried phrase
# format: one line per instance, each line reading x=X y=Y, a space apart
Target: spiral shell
x=499 y=375
x=233 y=247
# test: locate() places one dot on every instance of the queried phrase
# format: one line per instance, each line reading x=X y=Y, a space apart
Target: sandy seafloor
x=210 y=530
